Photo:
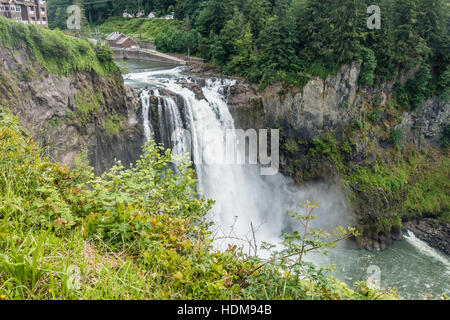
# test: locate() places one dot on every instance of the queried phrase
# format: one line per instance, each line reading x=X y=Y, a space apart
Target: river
x=248 y=202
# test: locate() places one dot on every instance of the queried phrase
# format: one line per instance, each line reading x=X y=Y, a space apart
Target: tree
x=212 y=17
x=350 y=30
x=410 y=46
x=243 y=62
x=369 y=64
x=382 y=42
x=257 y=12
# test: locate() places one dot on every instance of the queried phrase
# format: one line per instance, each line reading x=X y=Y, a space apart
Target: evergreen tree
x=244 y=61
x=410 y=46
x=348 y=30
x=382 y=42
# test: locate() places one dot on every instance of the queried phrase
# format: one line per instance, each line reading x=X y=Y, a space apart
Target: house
x=113 y=38
x=169 y=17
x=140 y=14
x=119 y=40
x=152 y=15
x=126 y=43
x=127 y=15
x=25 y=11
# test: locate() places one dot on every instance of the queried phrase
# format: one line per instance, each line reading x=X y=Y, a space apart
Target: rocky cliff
x=388 y=160
x=83 y=113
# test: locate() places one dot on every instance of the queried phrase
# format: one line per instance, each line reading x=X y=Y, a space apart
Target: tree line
x=98 y=11
x=293 y=40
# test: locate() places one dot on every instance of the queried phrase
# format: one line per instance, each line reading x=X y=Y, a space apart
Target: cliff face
x=388 y=161
x=69 y=116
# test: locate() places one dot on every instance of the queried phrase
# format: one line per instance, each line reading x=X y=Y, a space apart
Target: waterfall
x=247 y=204
x=145 y=100
x=424 y=248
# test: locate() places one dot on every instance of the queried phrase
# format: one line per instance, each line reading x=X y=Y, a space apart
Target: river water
x=249 y=203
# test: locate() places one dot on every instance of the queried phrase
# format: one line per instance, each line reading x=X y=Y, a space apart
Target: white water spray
x=145 y=100
x=247 y=204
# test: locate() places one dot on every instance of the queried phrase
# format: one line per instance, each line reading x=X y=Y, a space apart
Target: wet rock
x=333 y=107
x=46 y=105
x=434 y=233
x=194 y=87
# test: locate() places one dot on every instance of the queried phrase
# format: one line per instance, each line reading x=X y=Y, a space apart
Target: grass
x=112 y=125
x=58 y=53
x=87 y=103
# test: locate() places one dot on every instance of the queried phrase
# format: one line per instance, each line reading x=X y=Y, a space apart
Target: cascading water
x=145 y=100
x=247 y=201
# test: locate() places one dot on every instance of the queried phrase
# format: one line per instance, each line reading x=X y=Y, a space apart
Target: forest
x=292 y=40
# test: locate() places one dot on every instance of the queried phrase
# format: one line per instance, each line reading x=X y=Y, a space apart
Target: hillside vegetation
x=294 y=40
x=136 y=233
x=139 y=29
x=58 y=53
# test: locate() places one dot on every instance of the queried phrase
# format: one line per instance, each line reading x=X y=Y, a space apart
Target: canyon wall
x=83 y=113
x=359 y=138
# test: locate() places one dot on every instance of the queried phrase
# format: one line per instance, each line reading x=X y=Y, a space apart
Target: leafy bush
x=176 y=40
x=396 y=137
x=444 y=84
x=416 y=90
x=137 y=233
x=375 y=116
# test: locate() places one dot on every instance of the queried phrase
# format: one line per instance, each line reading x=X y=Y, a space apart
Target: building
x=140 y=14
x=152 y=15
x=119 y=40
x=25 y=11
x=127 y=15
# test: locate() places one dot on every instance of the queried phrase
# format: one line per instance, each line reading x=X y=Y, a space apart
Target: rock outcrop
x=69 y=116
x=437 y=234
x=338 y=108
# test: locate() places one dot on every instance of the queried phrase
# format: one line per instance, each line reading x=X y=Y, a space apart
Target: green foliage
x=291 y=41
x=87 y=104
x=419 y=86
x=58 y=53
x=137 y=233
x=375 y=116
x=396 y=137
x=140 y=28
x=368 y=67
x=175 y=40
x=112 y=125
x=445 y=141
x=416 y=90
x=444 y=84
x=414 y=184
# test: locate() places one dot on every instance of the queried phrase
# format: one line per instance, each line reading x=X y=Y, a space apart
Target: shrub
x=375 y=116
x=368 y=67
x=396 y=137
